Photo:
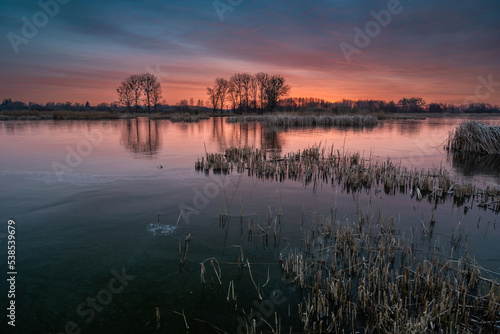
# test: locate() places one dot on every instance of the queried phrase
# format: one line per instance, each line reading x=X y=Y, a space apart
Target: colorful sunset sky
x=441 y=50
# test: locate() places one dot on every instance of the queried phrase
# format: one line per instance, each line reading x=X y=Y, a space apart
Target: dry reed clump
x=366 y=274
x=475 y=137
x=309 y=120
x=348 y=170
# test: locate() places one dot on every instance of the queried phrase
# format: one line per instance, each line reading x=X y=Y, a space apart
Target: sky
x=74 y=50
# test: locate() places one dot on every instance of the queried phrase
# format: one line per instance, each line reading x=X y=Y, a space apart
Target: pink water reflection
x=142 y=146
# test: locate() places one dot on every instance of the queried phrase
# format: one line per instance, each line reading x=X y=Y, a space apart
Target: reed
x=475 y=137
x=158 y=323
x=364 y=274
x=216 y=270
x=367 y=274
x=289 y=120
x=185 y=118
x=348 y=170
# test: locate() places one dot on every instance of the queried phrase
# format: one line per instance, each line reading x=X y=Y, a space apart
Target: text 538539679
x=11 y=273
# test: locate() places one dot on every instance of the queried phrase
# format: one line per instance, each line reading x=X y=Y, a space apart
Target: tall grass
x=475 y=137
x=176 y=118
x=349 y=170
x=368 y=274
x=308 y=120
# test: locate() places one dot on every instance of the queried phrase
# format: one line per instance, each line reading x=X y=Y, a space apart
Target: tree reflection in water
x=251 y=134
x=141 y=136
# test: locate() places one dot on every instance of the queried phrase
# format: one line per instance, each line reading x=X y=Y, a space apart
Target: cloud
x=433 y=49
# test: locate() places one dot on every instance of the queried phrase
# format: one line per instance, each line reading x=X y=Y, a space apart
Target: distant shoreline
x=24 y=115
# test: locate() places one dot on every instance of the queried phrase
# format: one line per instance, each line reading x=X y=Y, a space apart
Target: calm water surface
x=97 y=201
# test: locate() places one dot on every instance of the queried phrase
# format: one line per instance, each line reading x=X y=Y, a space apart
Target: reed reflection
x=475 y=164
x=141 y=136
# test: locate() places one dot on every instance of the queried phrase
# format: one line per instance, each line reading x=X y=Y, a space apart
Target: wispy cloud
x=432 y=49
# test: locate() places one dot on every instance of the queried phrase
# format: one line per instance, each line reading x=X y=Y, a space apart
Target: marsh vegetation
x=475 y=137
x=367 y=274
x=308 y=120
x=349 y=170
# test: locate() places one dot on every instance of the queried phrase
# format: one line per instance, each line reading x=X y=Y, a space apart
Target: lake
x=96 y=206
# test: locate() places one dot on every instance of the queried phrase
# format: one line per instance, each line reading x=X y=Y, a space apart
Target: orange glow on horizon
x=182 y=86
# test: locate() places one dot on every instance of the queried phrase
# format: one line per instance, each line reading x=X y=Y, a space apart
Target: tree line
x=285 y=104
x=140 y=88
x=404 y=105
x=246 y=92
x=9 y=104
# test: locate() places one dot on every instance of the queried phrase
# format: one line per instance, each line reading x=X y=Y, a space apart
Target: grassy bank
x=57 y=115
x=186 y=118
x=296 y=118
x=308 y=120
x=97 y=115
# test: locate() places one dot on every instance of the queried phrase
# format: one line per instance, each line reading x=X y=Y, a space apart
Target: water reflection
x=409 y=127
x=250 y=134
x=474 y=164
x=141 y=136
x=416 y=143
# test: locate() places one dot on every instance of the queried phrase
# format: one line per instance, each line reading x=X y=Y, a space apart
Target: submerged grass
x=365 y=275
x=475 y=137
x=348 y=170
x=368 y=272
x=308 y=120
x=361 y=275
